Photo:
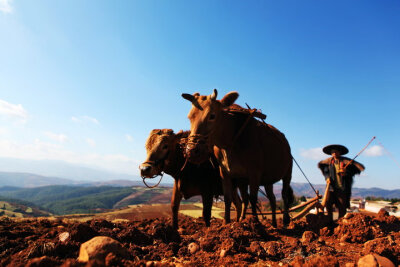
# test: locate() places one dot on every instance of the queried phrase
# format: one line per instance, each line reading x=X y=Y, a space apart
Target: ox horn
x=214 y=95
x=188 y=97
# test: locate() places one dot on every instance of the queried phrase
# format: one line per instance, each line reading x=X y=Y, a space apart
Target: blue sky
x=85 y=81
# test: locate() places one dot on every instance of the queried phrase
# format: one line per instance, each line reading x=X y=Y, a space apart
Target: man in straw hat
x=339 y=172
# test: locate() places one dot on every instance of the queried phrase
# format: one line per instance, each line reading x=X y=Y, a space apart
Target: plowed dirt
x=309 y=242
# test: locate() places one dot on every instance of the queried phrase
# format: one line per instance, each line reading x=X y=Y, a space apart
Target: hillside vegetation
x=61 y=200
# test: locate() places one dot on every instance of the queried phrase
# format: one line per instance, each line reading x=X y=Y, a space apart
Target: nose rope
x=161 y=174
x=153 y=186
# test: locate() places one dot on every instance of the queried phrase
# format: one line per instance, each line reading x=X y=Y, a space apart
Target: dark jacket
x=329 y=171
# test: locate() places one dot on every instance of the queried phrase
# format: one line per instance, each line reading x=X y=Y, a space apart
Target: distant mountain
x=53 y=168
x=28 y=180
x=304 y=189
x=11 y=179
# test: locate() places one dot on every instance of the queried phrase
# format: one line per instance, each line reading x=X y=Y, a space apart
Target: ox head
x=158 y=146
x=205 y=118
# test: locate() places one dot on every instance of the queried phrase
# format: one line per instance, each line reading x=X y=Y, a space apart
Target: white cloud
x=62 y=138
x=3 y=131
x=5 y=6
x=39 y=150
x=313 y=153
x=13 y=111
x=84 y=119
x=90 y=142
x=129 y=137
x=374 y=151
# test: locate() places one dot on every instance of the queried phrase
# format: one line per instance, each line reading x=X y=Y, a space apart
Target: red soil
x=309 y=242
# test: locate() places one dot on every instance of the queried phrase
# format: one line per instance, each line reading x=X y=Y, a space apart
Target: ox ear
x=229 y=99
x=188 y=97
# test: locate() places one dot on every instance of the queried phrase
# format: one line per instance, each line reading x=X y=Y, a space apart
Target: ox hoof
x=286 y=220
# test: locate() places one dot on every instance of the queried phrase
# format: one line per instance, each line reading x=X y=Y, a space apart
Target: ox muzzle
x=151 y=169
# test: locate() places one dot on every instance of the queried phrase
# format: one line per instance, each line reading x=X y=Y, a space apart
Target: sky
x=85 y=82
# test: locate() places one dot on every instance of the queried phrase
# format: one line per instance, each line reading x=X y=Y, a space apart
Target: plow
x=318 y=202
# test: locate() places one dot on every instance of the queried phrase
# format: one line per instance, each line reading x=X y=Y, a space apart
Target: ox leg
x=237 y=202
x=175 y=202
x=207 y=205
x=253 y=199
x=288 y=198
x=272 y=201
x=227 y=188
x=245 y=200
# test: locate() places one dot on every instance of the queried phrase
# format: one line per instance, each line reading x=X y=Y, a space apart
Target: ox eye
x=212 y=117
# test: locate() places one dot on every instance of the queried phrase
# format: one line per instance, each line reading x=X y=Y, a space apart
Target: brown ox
x=258 y=153
x=165 y=153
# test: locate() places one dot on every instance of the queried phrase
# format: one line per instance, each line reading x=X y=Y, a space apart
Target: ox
x=258 y=153
x=165 y=153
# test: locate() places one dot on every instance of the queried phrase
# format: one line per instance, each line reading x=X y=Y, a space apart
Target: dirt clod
x=154 y=242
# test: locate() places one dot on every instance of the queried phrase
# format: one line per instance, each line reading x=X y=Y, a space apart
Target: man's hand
x=328 y=181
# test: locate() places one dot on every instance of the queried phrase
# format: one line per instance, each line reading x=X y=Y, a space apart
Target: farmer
x=338 y=172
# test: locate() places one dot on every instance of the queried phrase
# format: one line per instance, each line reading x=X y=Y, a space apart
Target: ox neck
x=175 y=161
x=225 y=133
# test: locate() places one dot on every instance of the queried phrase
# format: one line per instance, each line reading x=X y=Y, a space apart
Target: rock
x=324 y=231
x=384 y=246
x=372 y=260
x=64 y=236
x=223 y=253
x=193 y=247
x=99 y=247
x=308 y=236
x=382 y=261
x=383 y=213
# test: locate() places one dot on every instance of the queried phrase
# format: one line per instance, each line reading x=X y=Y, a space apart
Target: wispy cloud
x=62 y=138
x=129 y=137
x=39 y=150
x=374 y=151
x=13 y=111
x=91 y=142
x=5 y=6
x=313 y=153
x=3 y=131
x=84 y=119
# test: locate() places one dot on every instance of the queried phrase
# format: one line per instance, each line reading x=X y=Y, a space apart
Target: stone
x=64 y=236
x=383 y=261
x=223 y=253
x=99 y=247
x=308 y=236
x=374 y=260
x=193 y=247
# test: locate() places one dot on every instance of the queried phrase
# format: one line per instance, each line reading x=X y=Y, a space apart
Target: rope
x=359 y=153
x=149 y=186
x=295 y=161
